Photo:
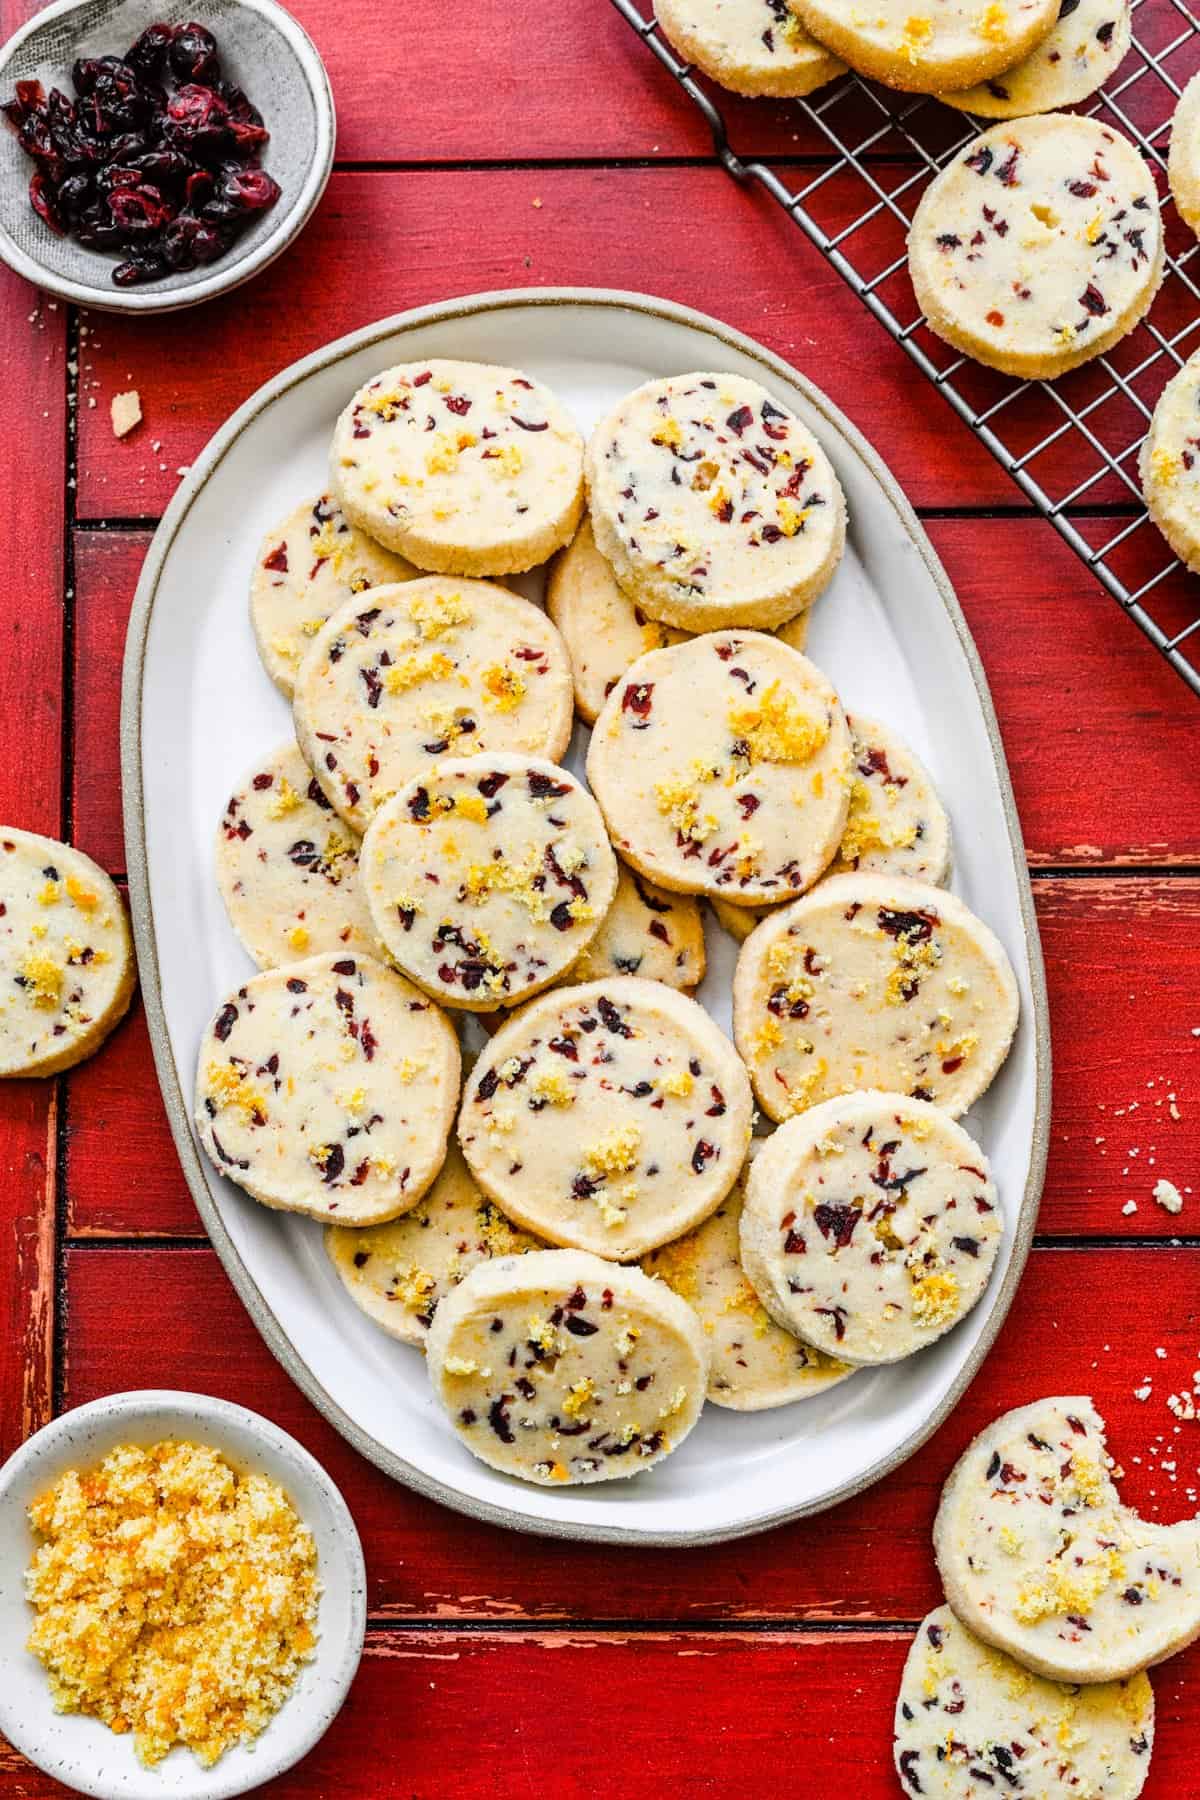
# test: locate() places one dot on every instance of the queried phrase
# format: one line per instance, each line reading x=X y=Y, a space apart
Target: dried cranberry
x=193 y=54
x=250 y=190
x=44 y=200
x=148 y=55
x=837 y=1222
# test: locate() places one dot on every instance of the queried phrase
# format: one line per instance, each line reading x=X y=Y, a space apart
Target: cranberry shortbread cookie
x=647 y=931
x=749 y=46
x=487 y=877
x=951 y=45
x=1086 y=45
x=464 y=468
x=558 y=1367
x=1169 y=463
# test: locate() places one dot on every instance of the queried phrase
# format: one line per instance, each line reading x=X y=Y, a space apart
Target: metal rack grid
x=1070 y=445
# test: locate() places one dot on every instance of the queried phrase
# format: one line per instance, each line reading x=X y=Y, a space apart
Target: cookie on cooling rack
x=1039 y=246
x=749 y=46
x=929 y=49
x=1169 y=463
x=1087 y=44
x=1183 y=161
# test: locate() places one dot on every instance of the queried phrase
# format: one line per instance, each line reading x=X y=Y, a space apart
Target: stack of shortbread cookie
x=595 y=1254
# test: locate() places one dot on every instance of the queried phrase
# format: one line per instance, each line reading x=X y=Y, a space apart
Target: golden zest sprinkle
x=175 y=1598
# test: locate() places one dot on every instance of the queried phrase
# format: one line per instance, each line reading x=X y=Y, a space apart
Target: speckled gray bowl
x=85 y=1754
x=263 y=49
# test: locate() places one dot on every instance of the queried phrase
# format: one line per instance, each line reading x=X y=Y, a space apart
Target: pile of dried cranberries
x=167 y=179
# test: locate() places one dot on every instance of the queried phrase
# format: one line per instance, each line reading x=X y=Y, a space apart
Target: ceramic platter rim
x=605 y=310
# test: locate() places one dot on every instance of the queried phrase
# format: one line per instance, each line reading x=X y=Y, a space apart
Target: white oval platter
x=198 y=708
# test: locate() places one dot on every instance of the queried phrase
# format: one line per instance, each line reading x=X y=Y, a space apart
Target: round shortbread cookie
x=66 y=957
x=429 y=669
x=487 y=877
x=559 y=1367
x=1169 y=463
x=1183 y=159
x=714 y=505
x=824 y=990
x=1039 y=246
x=896 y=824
x=971 y=1723
x=1039 y=1556
x=755 y=1363
x=610 y=1117
x=287 y=867
x=398 y=1273
x=307 y=568
x=465 y=468
x=328 y=1087
x=871 y=1225
x=722 y=766
x=749 y=46
x=647 y=931
x=1086 y=45
x=954 y=45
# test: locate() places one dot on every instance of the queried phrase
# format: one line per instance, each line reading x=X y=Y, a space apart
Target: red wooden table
x=513 y=144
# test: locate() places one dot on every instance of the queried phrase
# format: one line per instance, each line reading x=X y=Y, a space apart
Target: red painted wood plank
x=730 y=1713
x=380 y=243
x=107 y=565
x=28 y=1113
x=1084 y=1320
x=1105 y=941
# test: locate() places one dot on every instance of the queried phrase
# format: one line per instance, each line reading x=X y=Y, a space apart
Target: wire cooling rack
x=1070 y=445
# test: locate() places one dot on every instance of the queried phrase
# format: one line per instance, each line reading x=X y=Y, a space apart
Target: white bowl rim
x=223 y=1417
x=147 y=299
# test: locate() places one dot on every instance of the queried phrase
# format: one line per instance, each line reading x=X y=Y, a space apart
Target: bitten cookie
x=431 y=669
x=723 y=767
x=755 y=1363
x=66 y=957
x=871 y=1225
x=398 y=1273
x=603 y=629
x=307 y=567
x=328 y=1087
x=952 y=45
x=1039 y=246
x=287 y=867
x=971 y=1723
x=896 y=825
x=1039 y=1556
x=749 y=46
x=648 y=932
x=465 y=468
x=611 y=1116
x=873 y=981
x=1086 y=45
x=1169 y=463
x=487 y=877
x=714 y=505
x=558 y=1367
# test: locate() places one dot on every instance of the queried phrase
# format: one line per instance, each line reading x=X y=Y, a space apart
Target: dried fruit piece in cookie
x=429 y=669
x=647 y=931
x=66 y=957
x=1169 y=463
x=397 y=1273
x=951 y=45
x=971 y=1722
x=723 y=767
x=1086 y=45
x=487 y=877
x=755 y=1363
x=896 y=825
x=287 y=866
x=1040 y=1557
x=558 y=1367
x=465 y=468
x=1183 y=161
x=872 y=981
x=749 y=46
x=308 y=567
x=871 y=1226
x=328 y=1087
x=714 y=504
x=1039 y=246
x=611 y=1116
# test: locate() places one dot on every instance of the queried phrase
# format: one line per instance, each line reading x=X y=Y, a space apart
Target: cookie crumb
x=1168 y=1196
x=1130 y=1206
x=126 y=412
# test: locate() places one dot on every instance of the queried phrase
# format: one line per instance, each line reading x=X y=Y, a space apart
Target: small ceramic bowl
x=263 y=49
x=82 y=1752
